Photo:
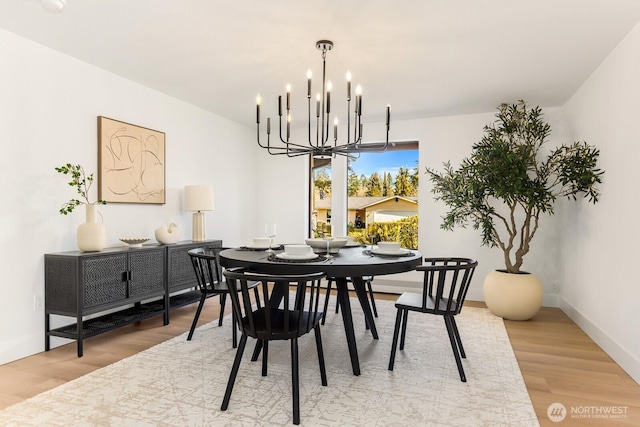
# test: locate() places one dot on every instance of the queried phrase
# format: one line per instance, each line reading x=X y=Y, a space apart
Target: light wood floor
x=558 y=361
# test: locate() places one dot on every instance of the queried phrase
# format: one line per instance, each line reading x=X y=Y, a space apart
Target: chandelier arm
x=326 y=136
x=309 y=113
x=348 y=120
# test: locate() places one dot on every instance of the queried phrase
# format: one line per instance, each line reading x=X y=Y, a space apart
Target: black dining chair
x=367 y=281
x=280 y=315
x=445 y=285
x=206 y=264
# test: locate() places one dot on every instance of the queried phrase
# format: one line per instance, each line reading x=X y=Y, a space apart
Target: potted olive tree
x=503 y=188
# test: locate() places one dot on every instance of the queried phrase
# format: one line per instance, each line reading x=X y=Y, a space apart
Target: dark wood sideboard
x=117 y=286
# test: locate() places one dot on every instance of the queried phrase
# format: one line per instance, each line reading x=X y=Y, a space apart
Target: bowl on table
x=297 y=249
x=350 y=240
x=319 y=245
x=297 y=252
x=260 y=243
x=389 y=246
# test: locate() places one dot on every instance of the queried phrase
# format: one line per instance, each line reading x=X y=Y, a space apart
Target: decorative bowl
x=297 y=249
x=134 y=242
x=319 y=245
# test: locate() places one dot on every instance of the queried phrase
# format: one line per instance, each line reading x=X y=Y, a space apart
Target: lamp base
x=199 y=234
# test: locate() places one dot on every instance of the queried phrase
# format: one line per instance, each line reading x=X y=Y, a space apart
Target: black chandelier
x=321 y=148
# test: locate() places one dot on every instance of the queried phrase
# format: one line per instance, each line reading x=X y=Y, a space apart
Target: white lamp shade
x=198 y=198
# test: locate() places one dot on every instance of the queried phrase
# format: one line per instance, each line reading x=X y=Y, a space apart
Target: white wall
x=600 y=288
x=49 y=105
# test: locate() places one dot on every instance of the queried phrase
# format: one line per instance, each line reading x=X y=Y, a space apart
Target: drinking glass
x=270 y=231
x=328 y=240
x=372 y=237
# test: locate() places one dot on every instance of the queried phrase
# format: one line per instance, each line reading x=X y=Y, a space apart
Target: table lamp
x=198 y=198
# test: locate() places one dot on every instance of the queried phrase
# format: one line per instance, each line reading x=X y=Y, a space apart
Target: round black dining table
x=349 y=262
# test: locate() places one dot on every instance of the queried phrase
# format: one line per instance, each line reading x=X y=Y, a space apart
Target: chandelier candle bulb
x=308 y=83
x=335 y=129
x=388 y=114
x=348 y=86
x=318 y=105
x=258 y=108
x=329 y=86
x=288 y=97
x=269 y=125
x=280 y=105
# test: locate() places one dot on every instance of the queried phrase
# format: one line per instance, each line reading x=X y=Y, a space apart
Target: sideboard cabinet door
x=103 y=281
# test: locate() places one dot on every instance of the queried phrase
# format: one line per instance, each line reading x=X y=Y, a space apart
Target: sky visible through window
x=389 y=161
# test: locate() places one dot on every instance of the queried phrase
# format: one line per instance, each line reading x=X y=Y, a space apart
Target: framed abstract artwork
x=131 y=163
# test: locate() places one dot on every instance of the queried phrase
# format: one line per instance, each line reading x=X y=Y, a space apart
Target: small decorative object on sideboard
x=168 y=234
x=134 y=242
x=91 y=235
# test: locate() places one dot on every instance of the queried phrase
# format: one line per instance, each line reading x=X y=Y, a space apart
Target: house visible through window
x=382 y=196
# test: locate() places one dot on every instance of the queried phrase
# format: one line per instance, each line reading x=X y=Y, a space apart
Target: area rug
x=181 y=383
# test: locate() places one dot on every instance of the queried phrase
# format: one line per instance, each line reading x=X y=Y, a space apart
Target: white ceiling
x=424 y=57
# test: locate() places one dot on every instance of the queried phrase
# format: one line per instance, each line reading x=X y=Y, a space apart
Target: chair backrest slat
x=446 y=283
x=206 y=265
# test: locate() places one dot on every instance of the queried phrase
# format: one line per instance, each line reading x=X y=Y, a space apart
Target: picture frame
x=131 y=163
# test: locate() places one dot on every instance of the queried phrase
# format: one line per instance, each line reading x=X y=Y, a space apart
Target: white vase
x=513 y=296
x=92 y=235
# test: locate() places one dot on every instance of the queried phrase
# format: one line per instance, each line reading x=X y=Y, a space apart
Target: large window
x=381 y=193
x=382 y=196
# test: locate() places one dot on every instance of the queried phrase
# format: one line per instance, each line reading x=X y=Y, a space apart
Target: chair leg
x=394 y=342
x=458 y=340
x=295 y=380
x=256 y=351
x=323 y=371
x=234 y=330
x=404 y=328
x=234 y=373
x=196 y=317
x=454 y=347
x=265 y=353
x=326 y=301
x=373 y=301
x=223 y=301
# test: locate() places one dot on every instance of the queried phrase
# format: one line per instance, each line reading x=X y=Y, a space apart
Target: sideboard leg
x=47 y=338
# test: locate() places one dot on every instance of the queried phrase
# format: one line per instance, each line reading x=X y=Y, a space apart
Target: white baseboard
x=622 y=357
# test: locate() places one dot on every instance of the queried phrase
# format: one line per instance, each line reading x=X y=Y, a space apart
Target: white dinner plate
x=285 y=255
x=252 y=246
x=352 y=245
x=399 y=252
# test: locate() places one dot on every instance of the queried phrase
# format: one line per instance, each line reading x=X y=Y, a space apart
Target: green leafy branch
x=82 y=182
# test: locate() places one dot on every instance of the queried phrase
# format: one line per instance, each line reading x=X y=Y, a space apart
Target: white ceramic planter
x=513 y=296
